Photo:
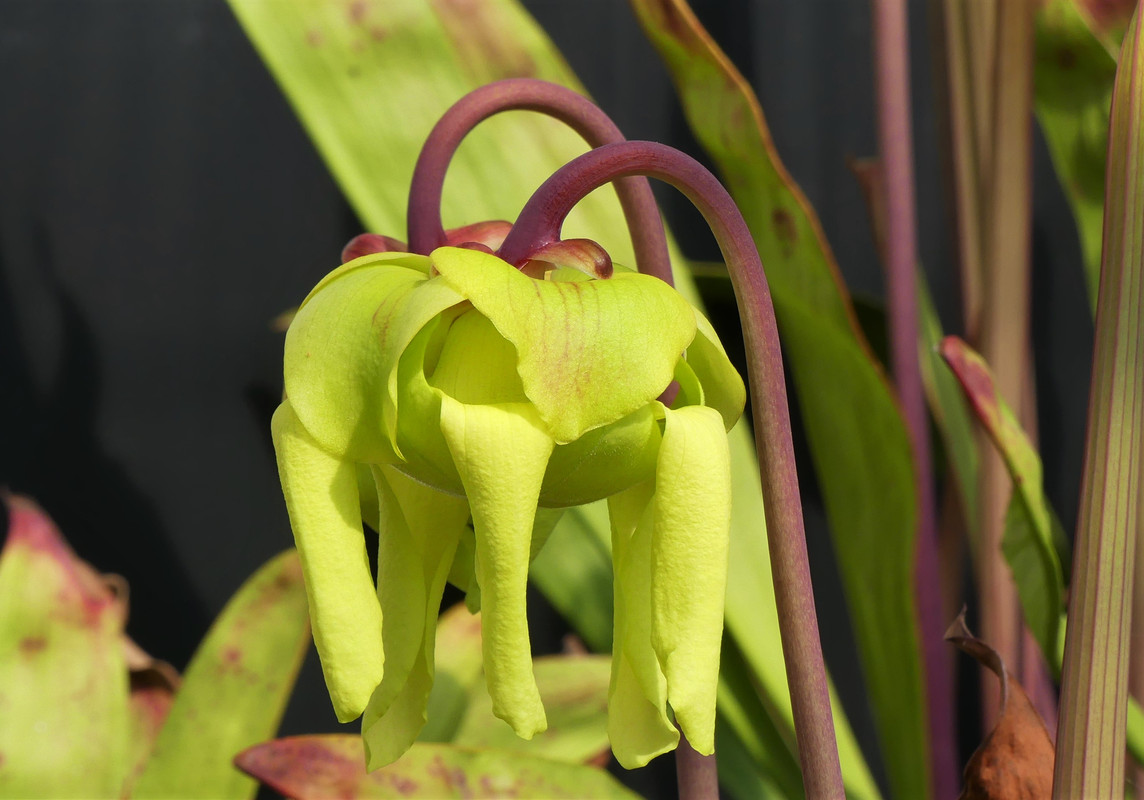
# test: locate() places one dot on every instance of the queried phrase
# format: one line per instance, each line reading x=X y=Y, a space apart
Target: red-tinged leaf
x=1033 y=540
x=235 y=689
x=1015 y=762
x=63 y=677
x=153 y=685
x=320 y=767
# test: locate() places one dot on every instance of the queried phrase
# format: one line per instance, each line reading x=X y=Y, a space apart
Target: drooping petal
x=322 y=499
x=463 y=573
x=421 y=528
x=590 y=352
x=501 y=452
x=723 y=387
x=689 y=564
x=638 y=725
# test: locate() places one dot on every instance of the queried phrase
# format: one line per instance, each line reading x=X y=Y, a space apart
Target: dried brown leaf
x=1015 y=762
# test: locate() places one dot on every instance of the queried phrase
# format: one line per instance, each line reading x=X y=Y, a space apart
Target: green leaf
x=575 y=694
x=1035 y=544
x=319 y=767
x=63 y=678
x=1072 y=93
x=235 y=689
x=1033 y=536
x=855 y=431
x=948 y=406
x=1094 y=692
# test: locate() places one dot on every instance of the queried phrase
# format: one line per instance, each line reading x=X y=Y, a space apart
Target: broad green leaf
x=1072 y=93
x=235 y=688
x=855 y=431
x=63 y=677
x=1033 y=536
x=319 y=767
x=368 y=86
x=575 y=694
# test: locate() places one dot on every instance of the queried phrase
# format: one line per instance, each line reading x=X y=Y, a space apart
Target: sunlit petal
x=421 y=528
x=689 y=564
x=591 y=352
x=501 y=452
x=638 y=725
x=322 y=499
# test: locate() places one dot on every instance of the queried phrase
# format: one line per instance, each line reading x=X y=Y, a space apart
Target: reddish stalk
x=539 y=224
x=425 y=228
x=892 y=73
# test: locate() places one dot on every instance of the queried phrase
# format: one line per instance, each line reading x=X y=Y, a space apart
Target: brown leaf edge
x=1015 y=762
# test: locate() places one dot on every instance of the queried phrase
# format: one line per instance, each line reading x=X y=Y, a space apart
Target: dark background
x=159 y=205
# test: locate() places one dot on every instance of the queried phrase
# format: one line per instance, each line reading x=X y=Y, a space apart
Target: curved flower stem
x=697 y=775
x=539 y=224
x=425 y=228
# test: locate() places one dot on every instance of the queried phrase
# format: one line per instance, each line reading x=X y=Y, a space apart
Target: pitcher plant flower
x=477 y=382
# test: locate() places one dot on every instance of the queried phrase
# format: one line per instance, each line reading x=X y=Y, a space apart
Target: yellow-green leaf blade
x=235 y=689
x=63 y=677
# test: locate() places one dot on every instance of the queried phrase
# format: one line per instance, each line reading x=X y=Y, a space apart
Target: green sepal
x=723 y=387
x=322 y=500
x=590 y=352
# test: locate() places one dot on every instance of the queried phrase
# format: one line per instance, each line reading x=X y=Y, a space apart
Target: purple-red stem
x=892 y=75
x=697 y=775
x=425 y=228
x=540 y=223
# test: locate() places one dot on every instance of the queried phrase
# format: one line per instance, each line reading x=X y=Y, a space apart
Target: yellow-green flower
x=467 y=395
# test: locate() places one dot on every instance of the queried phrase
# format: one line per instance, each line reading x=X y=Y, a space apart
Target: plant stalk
x=539 y=224
x=892 y=73
x=425 y=229
x=1094 y=683
x=697 y=775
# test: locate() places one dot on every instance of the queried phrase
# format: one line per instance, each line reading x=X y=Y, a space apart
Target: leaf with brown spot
x=320 y=767
x=1015 y=762
x=63 y=697
x=235 y=689
x=153 y=685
